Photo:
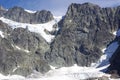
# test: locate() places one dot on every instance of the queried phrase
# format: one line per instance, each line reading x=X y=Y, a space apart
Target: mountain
x=38 y=41
x=20 y=15
x=85 y=30
x=21 y=51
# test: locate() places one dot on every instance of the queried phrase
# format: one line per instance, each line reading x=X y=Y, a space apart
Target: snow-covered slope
x=108 y=52
x=65 y=73
x=38 y=28
x=104 y=60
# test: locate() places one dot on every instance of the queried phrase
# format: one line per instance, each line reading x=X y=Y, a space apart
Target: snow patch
x=17 y=47
x=37 y=28
x=103 y=50
x=1 y=34
x=52 y=67
x=115 y=33
x=15 y=68
x=30 y=11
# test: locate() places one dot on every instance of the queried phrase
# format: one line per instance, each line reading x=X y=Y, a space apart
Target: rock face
x=85 y=30
x=22 y=51
x=20 y=15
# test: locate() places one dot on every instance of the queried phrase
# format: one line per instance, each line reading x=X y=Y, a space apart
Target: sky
x=57 y=7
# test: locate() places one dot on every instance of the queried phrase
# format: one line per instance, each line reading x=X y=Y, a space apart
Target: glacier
x=37 y=28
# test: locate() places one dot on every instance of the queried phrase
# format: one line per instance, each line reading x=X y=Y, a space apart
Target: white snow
x=115 y=33
x=52 y=67
x=1 y=34
x=37 y=28
x=18 y=48
x=103 y=50
x=65 y=73
x=15 y=68
x=30 y=11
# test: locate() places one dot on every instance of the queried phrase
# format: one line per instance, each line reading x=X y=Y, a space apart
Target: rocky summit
x=83 y=32
x=20 y=15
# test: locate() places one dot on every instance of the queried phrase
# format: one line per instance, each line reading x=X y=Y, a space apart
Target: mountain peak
x=2 y=8
x=84 y=4
x=16 y=8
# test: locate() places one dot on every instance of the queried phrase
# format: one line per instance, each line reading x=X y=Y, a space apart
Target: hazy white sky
x=57 y=7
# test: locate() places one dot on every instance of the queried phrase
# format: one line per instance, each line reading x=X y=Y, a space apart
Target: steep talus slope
x=20 y=15
x=21 y=51
x=85 y=30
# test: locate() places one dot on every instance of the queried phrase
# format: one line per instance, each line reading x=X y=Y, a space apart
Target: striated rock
x=85 y=30
x=28 y=40
x=20 y=15
x=42 y=17
x=22 y=51
x=17 y=61
x=5 y=28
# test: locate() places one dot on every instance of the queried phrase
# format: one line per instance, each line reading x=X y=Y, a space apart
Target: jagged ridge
x=20 y=15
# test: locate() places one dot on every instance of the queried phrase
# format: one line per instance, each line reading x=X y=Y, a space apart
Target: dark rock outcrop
x=5 y=28
x=85 y=30
x=20 y=15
